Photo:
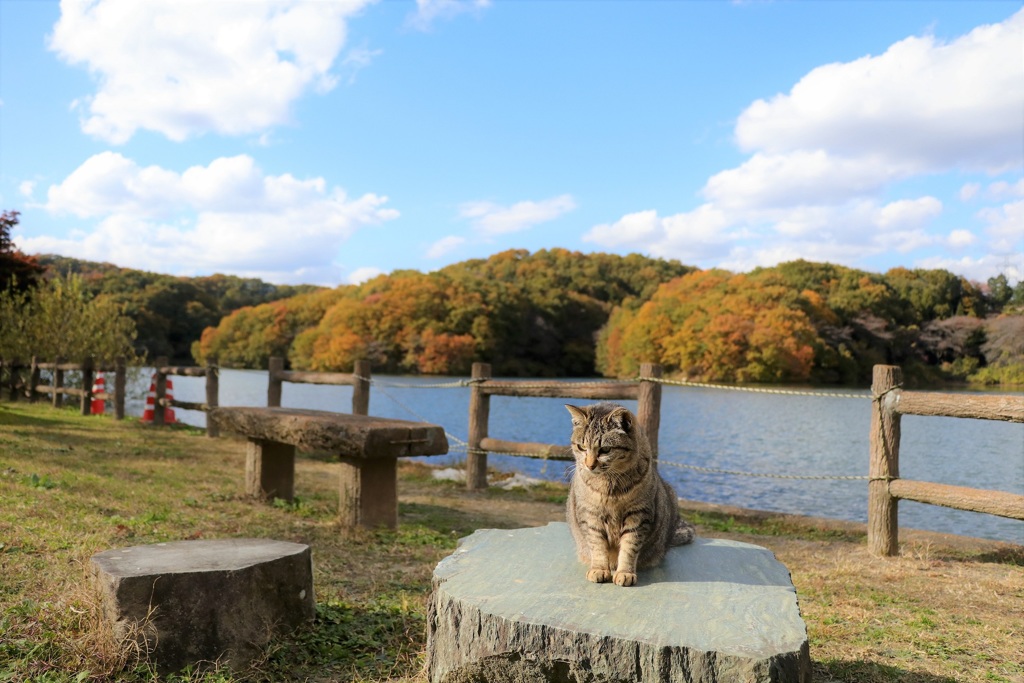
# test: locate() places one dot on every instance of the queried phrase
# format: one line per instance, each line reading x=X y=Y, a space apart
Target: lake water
x=749 y=432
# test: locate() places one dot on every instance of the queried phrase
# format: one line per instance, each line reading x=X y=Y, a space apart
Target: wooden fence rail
x=646 y=393
x=32 y=388
x=886 y=489
x=210 y=371
x=359 y=380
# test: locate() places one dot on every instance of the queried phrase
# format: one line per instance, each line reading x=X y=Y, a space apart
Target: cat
x=623 y=516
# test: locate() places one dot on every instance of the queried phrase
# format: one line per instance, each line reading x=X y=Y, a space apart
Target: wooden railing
x=210 y=371
x=886 y=488
x=32 y=388
x=359 y=380
x=646 y=393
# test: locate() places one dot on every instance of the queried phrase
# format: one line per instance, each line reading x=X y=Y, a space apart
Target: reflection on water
x=791 y=435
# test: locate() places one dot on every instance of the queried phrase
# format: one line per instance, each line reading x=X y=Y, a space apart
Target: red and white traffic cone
x=99 y=386
x=169 y=411
x=147 y=414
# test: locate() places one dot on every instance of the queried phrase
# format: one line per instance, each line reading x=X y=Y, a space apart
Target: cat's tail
x=684 y=533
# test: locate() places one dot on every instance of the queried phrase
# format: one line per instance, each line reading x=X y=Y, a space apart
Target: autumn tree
x=17 y=270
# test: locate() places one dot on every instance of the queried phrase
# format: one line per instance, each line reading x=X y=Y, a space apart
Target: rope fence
x=463 y=383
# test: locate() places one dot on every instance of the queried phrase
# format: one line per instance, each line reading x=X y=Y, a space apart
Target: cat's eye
x=604 y=450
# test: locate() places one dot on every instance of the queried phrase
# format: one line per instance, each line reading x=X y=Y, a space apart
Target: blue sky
x=325 y=142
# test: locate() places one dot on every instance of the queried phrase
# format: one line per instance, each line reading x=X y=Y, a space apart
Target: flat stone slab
x=515 y=605
x=187 y=602
x=353 y=436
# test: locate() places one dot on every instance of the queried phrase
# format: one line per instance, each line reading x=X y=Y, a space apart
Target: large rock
x=193 y=601
x=515 y=606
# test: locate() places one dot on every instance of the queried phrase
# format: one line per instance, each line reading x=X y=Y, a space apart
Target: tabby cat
x=622 y=514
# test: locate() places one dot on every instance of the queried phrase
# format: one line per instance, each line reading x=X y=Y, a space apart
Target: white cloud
x=429 y=11
x=961 y=238
x=183 y=69
x=1002 y=189
x=227 y=216
x=361 y=275
x=923 y=102
x=799 y=177
x=909 y=212
x=696 y=235
x=444 y=246
x=1005 y=227
x=493 y=219
x=358 y=59
x=969 y=191
x=27 y=188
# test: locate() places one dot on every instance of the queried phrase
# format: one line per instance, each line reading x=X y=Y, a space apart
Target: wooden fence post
x=159 y=411
x=57 y=398
x=33 y=380
x=274 y=365
x=361 y=388
x=212 y=394
x=883 y=519
x=648 y=409
x=479 y=415
x=87 y=377
x=120 y=386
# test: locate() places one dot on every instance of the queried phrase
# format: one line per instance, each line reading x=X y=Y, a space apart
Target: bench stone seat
x=513 y=605
x=187 y=602
x=367 y=448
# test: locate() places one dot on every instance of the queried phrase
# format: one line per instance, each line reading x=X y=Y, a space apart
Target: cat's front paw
x=599 y=576
x=625 y=579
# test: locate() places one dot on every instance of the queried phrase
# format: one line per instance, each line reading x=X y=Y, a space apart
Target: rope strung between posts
x=766 y=475
x=454 y=384
x=754 y=390
x=461 y=444
x=462 y=383
x=464 y=447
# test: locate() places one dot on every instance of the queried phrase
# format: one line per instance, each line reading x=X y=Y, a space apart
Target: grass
x=72 y=486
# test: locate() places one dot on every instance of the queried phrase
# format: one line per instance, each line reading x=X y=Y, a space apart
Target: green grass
x=72 y=486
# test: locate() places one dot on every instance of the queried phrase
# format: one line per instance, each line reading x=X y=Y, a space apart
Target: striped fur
x=622 y=514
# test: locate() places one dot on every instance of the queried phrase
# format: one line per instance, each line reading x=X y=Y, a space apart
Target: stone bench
x=513 y=605
x=188 y=602
x=368 y=448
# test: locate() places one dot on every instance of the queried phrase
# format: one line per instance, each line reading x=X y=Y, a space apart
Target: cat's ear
x=622 y=418
x=578 y=416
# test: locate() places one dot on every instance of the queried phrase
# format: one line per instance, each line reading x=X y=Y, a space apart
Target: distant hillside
x=527 y=314
x=170 y=312
x=562 y=313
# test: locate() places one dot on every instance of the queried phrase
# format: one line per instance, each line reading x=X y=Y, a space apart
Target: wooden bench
x=368 y=448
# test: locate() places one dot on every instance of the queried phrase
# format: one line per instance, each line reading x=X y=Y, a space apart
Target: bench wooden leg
x=369 y=492
x=270 y=470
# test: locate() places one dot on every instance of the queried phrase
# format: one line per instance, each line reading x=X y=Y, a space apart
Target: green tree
x=59 y=319
x=17 y=270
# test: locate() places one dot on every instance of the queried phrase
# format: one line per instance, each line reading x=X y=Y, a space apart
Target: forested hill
x=527 y=314
x=562 y=313
x=170 y=312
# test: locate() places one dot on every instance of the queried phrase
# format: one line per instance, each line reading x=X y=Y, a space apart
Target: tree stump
x=202 y=601
x=515 y=605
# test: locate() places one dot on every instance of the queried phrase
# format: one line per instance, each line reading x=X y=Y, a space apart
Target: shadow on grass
x=10 y=417
x=445 y=521
x=845 y=671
